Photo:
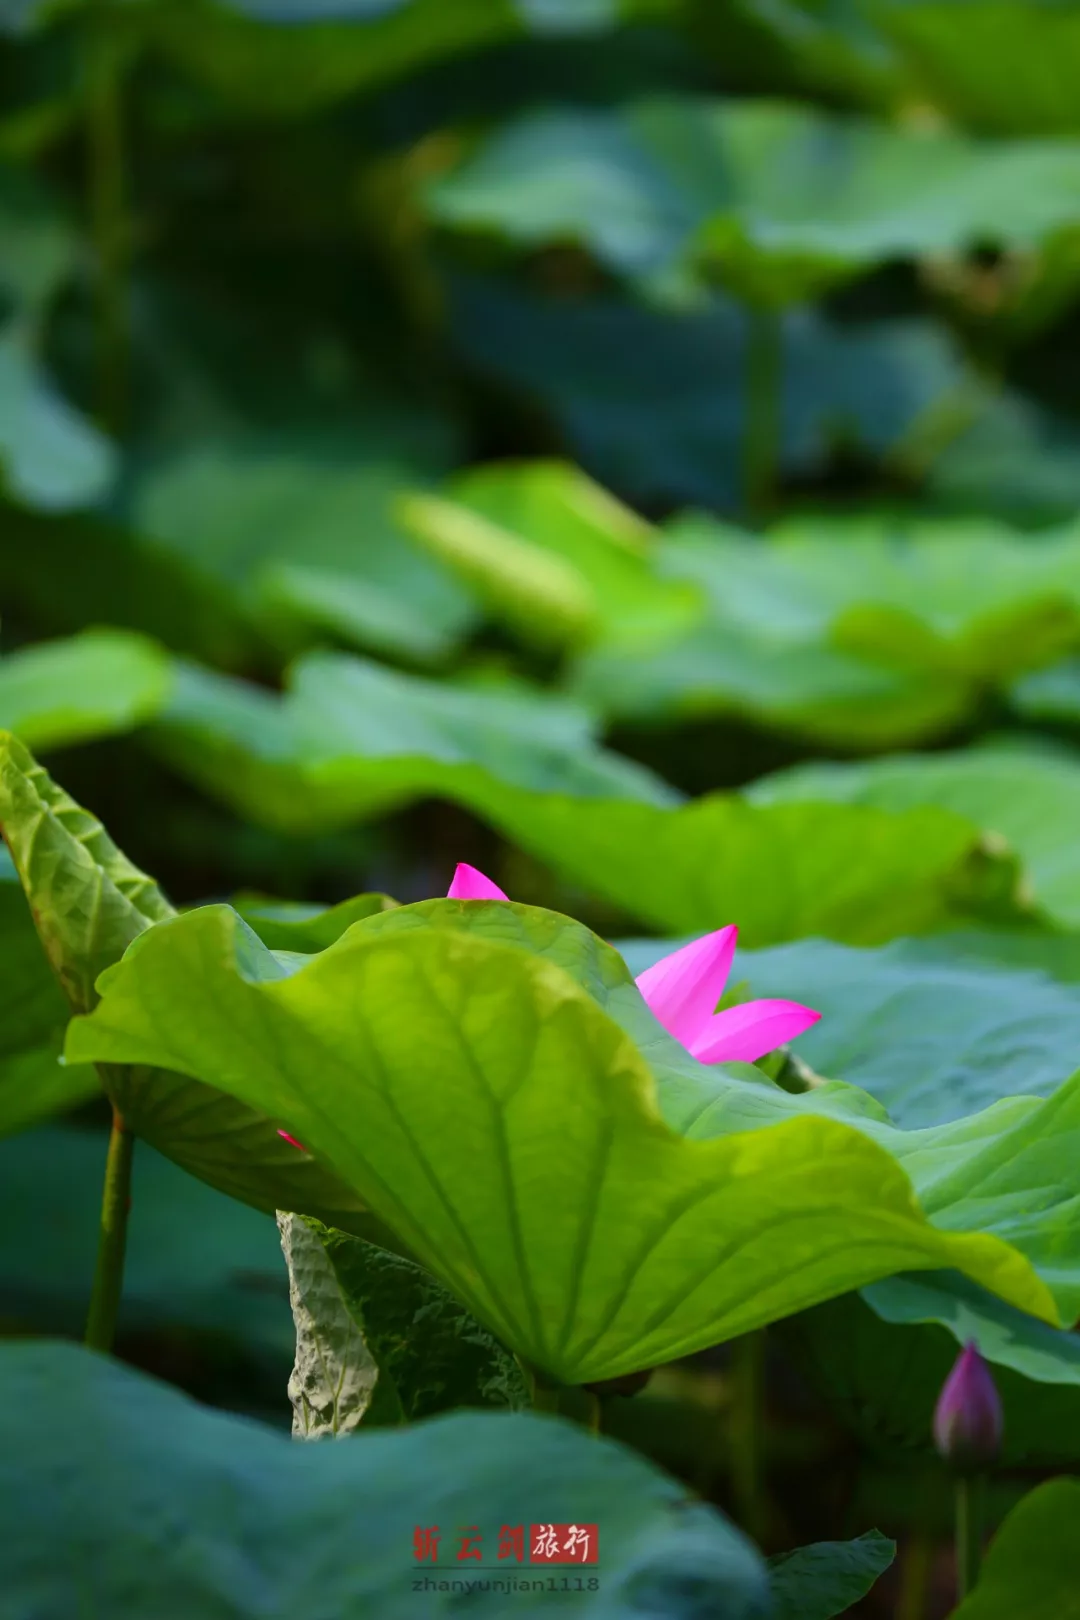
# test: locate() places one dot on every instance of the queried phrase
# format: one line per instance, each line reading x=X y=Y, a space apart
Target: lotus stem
x=112 y=1241
x=970 y=1492
x=545 y=1396
x=105 y=142
x=745 y=1432
x=761 y=444
x=915 y=1579
x=594 y=1412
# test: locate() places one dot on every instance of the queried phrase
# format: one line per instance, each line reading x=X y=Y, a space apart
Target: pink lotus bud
x=968 y=1420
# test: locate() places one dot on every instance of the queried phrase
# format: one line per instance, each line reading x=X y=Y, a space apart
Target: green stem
x=109 y=1273
x=747 y=1377
x=594 y=1412
x=969 y=1522
x=545 y=1397
x=761 y=444
x=915 y=1577
x=105 y=140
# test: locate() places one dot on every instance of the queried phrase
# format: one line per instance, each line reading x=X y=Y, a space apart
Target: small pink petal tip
x=682 y=989
x=744 y=1034
x=292 y=1140
x=469 y=884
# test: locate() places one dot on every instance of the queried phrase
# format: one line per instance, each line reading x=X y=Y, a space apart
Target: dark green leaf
x=194 y=1258
x=777 y=200
x=815 y=1583
x=99 y=1461
x=1033 y=1565
x=424 y=1354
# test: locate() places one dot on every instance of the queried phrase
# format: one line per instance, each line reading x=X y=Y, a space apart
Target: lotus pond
x=539 y=783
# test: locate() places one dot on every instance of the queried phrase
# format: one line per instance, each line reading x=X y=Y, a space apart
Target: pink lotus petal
x=682 y=989
x=469 y=884
x=742 y=1034
x=293 y=1141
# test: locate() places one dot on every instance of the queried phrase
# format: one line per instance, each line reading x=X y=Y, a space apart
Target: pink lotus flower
x=682 y=991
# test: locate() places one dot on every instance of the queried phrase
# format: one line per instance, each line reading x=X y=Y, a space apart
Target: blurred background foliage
x=505 y=430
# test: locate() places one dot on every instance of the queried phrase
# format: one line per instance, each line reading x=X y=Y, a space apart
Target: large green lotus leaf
x=652 y=401
x=779 y=200
x=828 y=1578
x=101 y=1463
x=814 y=690
x=601 y=1241
x=929 y=1032
x=352 y=738
x=881 y=1357
x=1006 y=1170
x=88 y=903
x=865 y=631
x=1001 y=65
x=33 y=1017
x=89 y=686
x=796 y=870
x=194 y=1259
x=1057 y=956
x=568 y=520
x=1032 y=1567
x=305 y=541
x=1029 y=797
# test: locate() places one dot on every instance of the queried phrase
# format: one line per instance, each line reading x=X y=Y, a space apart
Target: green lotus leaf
x=592 y=558
x=92 y=685
x=302 y=540
x=1033 y=1566
x=1029 y=797
x=818 y=1582
x=777 y=200
x=816 y=691
x=795 y=870
x=352 y=738
x=858 y=632
x=601 y=1241
x=100 y=1462
x=88 y=903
